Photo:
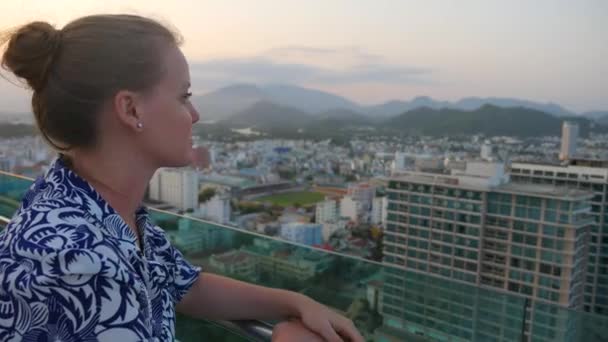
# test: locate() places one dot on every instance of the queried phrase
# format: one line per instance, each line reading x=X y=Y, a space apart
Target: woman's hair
x=74 y=71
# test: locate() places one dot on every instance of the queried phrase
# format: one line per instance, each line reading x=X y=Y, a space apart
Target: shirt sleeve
x=69 y=295
x=186 y=275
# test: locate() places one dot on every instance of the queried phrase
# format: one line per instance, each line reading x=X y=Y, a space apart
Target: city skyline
x=542 y=51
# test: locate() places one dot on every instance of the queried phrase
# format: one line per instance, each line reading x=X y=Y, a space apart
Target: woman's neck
x=120 y=179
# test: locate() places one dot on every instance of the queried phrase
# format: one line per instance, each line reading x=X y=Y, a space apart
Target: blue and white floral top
x=71 y=269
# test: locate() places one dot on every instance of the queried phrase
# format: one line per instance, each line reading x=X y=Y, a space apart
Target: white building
x=379 y=211
x=569 y=138
x=350 y=208
x=216 y=209
x=178 y=187
x=487 y=151
x=327 y=211
x=304 y=233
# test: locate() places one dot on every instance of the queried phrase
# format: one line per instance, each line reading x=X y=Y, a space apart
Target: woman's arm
x=216 y=297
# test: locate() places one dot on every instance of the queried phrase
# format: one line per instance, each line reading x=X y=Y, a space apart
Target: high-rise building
x=569 y=139
x=479 y=229
x=379 y=211
x=178 y=187
x=327 y=211
x=588 y=178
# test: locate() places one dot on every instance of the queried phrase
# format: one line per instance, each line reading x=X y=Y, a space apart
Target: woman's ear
x=128 y=111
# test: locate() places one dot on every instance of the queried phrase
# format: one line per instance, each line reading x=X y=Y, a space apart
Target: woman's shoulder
x=47 y=221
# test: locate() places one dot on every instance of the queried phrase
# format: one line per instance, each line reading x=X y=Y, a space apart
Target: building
x=363 y=193
x=178 y=187
x=588 y=178
x=379 y=211
x=327 y=211
x=481 y=230
x=5 y=164
x=281 y=261
x=487 y=151
x=569 y=140
x=235 y=263
x=403 y=161
x=351 y=209
x=193 y=237
x=216 y=209
x=304 y=233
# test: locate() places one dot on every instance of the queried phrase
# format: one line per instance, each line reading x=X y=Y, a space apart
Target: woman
x=80 y=260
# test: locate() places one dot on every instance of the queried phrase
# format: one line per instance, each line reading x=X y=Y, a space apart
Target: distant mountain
x=595 y=115
x=225 y=102
x=264 y=115
x=472 y=103
x=307 y=100
x=602 y=120
x=391 y=108
x=344 y=115
x=16 y=118
x=489 y=120
x=286 y=121
x=10 y=130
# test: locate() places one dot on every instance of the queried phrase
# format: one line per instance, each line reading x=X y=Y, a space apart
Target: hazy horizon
x=372 y=52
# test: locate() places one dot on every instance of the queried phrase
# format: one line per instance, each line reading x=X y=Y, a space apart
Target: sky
x=371 y=51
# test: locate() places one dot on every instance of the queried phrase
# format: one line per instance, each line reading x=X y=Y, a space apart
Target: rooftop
x=563 y=193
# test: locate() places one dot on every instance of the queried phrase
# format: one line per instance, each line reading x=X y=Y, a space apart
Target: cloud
x=299 y=65
x=343 y=53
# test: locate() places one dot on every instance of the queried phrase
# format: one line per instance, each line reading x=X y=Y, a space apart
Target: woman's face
x=169 y=115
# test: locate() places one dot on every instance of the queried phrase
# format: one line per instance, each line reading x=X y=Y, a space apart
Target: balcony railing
x=386 y=303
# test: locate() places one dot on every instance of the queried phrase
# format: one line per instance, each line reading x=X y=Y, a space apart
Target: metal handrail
x=253 y=330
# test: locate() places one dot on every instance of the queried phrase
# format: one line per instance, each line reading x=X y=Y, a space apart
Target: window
x=519 y=238
x=531 y=240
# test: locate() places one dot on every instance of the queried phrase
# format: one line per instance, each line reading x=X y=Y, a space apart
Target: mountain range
x=228 y=101
x=283 y=121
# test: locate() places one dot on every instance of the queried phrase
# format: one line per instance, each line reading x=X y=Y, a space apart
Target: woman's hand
x=332 y=326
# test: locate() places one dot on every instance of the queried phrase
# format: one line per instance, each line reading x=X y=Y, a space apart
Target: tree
x=350 y=178
x=206 y=195
x=376 y=233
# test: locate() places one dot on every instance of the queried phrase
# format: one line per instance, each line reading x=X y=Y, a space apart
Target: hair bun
x=31 y=51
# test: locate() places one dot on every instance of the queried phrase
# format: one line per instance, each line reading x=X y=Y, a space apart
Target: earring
x=140 y=125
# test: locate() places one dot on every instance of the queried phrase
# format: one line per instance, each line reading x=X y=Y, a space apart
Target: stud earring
x=140 y=125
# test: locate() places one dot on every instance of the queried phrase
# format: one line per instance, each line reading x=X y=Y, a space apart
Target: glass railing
x=385 y=302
